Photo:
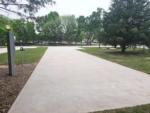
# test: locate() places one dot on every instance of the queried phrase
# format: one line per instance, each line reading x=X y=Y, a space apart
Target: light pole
x=11 y=51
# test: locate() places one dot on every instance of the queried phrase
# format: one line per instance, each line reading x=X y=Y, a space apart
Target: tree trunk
x=81 y=44
x=90 y=43
x=99 y=44
x=123 y=48
x=87 y=42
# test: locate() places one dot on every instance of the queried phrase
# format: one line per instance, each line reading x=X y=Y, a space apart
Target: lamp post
x=11 y=51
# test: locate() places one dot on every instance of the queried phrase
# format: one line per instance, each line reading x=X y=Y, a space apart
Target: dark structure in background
x=11 y=51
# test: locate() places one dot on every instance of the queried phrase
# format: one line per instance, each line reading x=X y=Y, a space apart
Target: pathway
x=69 y=81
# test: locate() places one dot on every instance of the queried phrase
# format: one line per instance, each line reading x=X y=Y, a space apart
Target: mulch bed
x=11 y=86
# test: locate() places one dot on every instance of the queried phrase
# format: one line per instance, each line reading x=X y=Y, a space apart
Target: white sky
x=70 y=7
x=75 y=7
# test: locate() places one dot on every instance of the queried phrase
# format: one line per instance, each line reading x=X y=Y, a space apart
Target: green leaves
x=29 y=7
x=24 y=31
x=50 y=26
x=69 y=26
x=3 y=22
x=92 y=26
x=128 y=19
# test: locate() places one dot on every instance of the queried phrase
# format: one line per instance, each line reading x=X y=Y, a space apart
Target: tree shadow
x=128 y=53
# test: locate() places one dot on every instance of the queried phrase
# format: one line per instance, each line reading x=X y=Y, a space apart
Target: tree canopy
x=127 y=23
x=29 y=7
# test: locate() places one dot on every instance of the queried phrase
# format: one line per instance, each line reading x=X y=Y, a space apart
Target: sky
x=75 y=7
x=70 y=7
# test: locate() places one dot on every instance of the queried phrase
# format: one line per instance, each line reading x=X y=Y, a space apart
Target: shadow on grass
x=127 y=53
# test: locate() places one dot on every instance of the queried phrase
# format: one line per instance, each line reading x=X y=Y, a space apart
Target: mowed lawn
x=27 y=56
x=136 y=59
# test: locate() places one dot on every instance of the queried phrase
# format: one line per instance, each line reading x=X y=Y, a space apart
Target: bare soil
x=10 y=86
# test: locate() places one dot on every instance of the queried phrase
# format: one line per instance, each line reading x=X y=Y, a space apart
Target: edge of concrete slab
x=27 y=80
x=115 y=63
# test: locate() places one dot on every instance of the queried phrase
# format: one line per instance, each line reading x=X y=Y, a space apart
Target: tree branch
x=17 y=4
x=18 y=13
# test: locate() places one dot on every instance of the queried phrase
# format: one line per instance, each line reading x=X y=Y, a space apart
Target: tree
x=3 y=22
x=50 y=25
x=89 y=31
x=91 y=27
x=3 y=37
x=111 y=29
x=96 y=24
x=30 y=30
x=69 y=26
x=24 y=31
x=81 y=30
x=124 y=24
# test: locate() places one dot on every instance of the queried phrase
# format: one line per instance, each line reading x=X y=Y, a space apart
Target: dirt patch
x=11 y=86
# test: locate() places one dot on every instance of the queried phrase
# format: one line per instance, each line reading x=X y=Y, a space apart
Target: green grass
x=138 y=59
x=25 y=57
x=137 y=109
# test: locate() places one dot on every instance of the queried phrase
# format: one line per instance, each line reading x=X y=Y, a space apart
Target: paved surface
x=4 y=50
x=69 y=81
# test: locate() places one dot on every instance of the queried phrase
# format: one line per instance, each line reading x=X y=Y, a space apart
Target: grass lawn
x=138 y=59
x=25 y=57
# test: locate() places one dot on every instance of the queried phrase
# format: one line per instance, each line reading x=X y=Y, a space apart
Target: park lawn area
x=138 y=59
x=27 y=56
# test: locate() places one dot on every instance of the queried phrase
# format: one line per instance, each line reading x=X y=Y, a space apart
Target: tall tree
x=81 y=32
x=96 y=24
x=24 y=31
x=30 y=29
x=69 y=25
x=125 y=22
x=50 y=25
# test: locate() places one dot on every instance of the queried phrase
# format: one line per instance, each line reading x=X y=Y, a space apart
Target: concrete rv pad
x=69 y=81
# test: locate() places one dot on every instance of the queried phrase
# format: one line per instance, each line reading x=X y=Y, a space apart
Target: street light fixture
x=8 y=27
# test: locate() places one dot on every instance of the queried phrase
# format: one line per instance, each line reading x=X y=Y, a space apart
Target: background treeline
x=23 y=31
x=127 y=24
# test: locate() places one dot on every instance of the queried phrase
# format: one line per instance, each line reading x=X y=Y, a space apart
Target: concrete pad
x=69 y=81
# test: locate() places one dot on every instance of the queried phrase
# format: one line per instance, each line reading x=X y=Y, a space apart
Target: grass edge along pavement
x=138 y=59
x=10 y=86
x=27 y=56
x=111 y=54
x=136 y=109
